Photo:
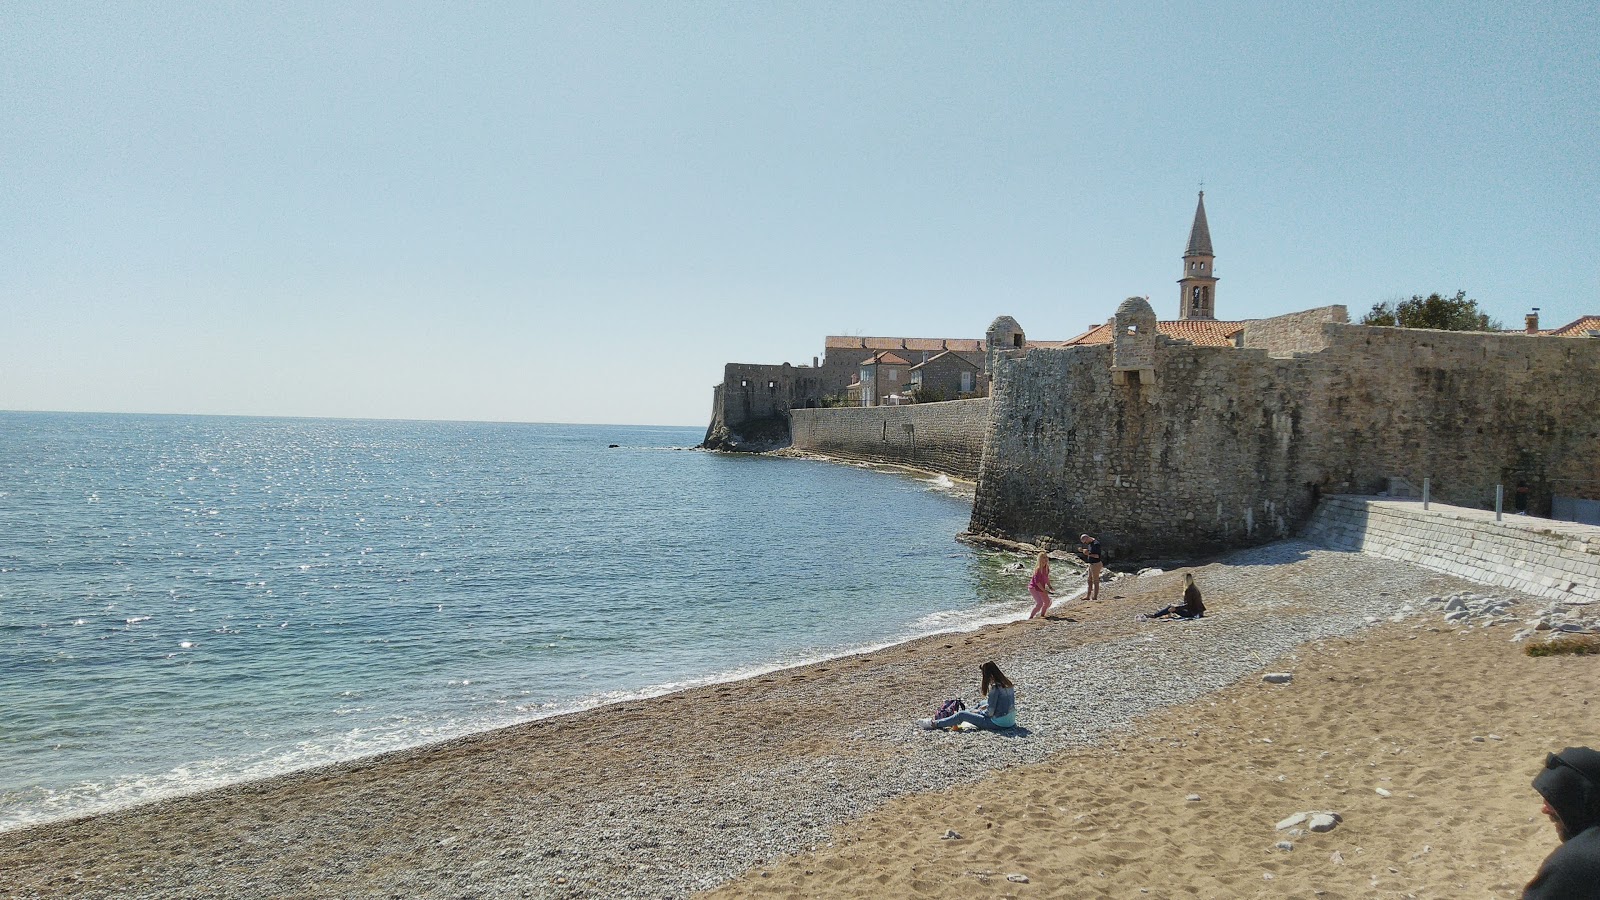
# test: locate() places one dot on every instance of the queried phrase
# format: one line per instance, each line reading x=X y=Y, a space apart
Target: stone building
x=882 y=380
x=947 y=376
x=842 y=355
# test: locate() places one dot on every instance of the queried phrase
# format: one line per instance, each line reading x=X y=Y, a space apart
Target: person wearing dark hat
x=1570 y=786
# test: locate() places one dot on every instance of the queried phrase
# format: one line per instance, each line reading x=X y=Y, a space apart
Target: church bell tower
x=1198 y=286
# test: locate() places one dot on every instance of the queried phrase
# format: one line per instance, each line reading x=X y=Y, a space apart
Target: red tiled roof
x=887 y=358
x=846 y=342
x=1200 y=332
x=959 y=359
x=1580 y=328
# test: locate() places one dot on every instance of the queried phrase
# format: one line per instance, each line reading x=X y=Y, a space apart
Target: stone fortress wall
x=1556 y=560
x=1300 y=332
x=1162 y=448
x=750 y=409
x=941 y=437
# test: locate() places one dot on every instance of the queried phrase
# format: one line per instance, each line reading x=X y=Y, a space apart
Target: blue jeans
x=975 y=718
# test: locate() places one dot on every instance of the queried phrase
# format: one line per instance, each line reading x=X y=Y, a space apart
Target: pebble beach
x=1152 y=760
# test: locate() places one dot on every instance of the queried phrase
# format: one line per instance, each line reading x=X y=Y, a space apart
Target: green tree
x=1456 y=313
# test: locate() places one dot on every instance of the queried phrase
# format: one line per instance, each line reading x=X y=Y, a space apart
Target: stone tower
x=1005 y=338
x=1198 y=286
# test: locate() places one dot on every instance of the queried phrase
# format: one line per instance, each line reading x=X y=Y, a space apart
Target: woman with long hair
x=998 y=709
x=1191 y=608
x=1040 y=587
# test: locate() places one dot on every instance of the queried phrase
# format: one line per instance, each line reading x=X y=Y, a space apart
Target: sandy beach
x=813 y=782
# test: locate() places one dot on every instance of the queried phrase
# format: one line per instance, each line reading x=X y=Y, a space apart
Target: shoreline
x=686 y=790
x=641 y=695
x=956 y=621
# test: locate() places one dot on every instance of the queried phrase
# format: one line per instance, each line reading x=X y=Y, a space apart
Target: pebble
x=1284 y=845
x=1192 y=798
x=730 y=821
x=1278 y=677
x=1324 y=822
x=1384 y=793
x=951 y=835
x=1018 y=877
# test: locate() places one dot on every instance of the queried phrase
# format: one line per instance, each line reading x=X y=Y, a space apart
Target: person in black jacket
x=1570 y=785
x=1191 y=608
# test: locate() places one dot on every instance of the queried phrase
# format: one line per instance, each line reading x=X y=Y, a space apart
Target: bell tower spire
x=1197 y=288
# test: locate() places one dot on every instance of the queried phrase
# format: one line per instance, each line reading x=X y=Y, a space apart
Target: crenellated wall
x=1185 y=449
x=941 y=437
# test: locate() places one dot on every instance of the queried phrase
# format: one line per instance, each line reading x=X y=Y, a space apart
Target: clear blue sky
x=579 y=212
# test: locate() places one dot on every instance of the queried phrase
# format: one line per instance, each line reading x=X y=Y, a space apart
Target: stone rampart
x=941 y=437
x=750 y=408
x=1296 y=332
x=1556 y=560
x=1179 y=450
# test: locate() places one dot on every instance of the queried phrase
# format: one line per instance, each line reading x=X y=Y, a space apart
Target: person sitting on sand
x=1570 y=785
x=1190 y=608
x=1094 y=556
x=1040 y=587
x=997 y=711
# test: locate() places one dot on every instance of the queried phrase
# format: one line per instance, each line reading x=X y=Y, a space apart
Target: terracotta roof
x=846 y=342
x=960 y=359
x=1580 y=328
x=1200 y=332
x=887 y=358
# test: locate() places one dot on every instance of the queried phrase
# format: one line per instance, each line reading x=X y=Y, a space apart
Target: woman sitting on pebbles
x=998 y=710
x=1191 y=608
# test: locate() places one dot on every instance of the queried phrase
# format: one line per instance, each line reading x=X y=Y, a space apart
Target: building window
x=772 y=385
x=743 y=382
x=894 y=375
x=966 y=381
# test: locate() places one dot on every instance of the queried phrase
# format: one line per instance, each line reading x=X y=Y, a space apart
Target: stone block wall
x=1467 y=410
x=1210 y=448
x=1295 y=332
x=941 y=437
x=1200 y=452
x=750 y=408
x=1557 y=560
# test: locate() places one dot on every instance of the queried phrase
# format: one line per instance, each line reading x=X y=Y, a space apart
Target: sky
x=578 y=212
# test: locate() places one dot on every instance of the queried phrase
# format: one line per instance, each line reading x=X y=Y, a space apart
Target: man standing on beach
x=1093 y=556
x=1570 y=785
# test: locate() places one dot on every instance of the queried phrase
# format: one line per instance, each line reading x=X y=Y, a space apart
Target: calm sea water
x=194 y=601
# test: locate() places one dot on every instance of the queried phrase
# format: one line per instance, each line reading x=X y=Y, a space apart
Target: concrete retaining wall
x=941 y=437
x=1543 y=557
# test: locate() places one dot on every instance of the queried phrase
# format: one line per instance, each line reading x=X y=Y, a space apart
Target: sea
x=189 y=602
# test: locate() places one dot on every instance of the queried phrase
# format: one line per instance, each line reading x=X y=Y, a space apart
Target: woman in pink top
x=1040 y=587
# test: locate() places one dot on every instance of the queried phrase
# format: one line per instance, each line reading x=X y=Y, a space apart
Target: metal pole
x=1499 y=500
x=1427 y=486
